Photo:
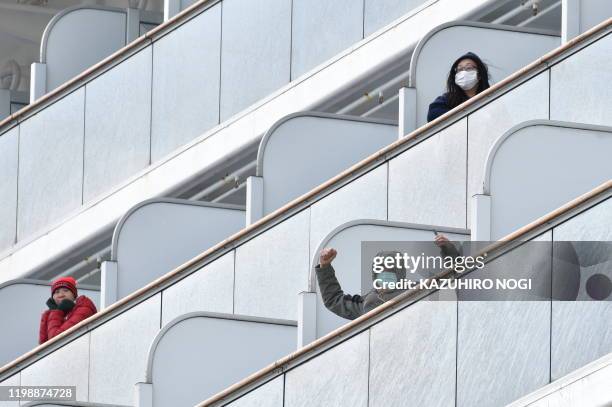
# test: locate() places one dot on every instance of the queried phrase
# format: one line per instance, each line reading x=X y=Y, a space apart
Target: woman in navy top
x=468 y=77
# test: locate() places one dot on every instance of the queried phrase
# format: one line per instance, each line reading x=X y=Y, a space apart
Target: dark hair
x=455 y=94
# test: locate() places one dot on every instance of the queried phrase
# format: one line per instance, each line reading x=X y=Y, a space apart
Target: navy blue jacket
x=438 y=107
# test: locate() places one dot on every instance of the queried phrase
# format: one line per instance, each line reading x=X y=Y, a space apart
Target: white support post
x=407 y=111
x=5 y=103
x=132 y=29
x=307 y=318
x=38 y=80
x=171 y=8
x=481 y=218
x=570 y=19
x=108 y=289
x=254 y=201
x=143 y=395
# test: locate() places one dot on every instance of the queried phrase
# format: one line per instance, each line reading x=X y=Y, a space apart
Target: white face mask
x=387 y=277
x=466 y=80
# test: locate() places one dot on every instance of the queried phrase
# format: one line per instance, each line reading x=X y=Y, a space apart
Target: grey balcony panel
x=334 y=378
x=270 y=394
x=593 y=12
x=8 y=187
x=186 y=3
x=435 y=53
x=14 y=380
x=321 y=29
x=427 y=183
x=255 y=51
x=210 y=289
x=507 y=332
x=408 y=350
x=582 y=76
x=581 y=331
x=558 y=162
x=305 y=149
x=505 y=340
x=272 y=269
x=159 y=235
x=118 y=352
x=591 y=225
x=22 y=322
x=67 y=366
x=379 y=13
x=117 y=124
x=186 y=66
x=364 y=198
x=199 y=354
x=51 y=164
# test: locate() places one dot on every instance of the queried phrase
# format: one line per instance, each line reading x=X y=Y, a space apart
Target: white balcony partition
x=537 y=166
x=198 y=354
x=505 y=50
x=25 y=298
x=347 y=240
x=79 y=37
x=159 y=235
x=304 y=149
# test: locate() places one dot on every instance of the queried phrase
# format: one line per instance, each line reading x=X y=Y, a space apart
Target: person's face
x=62 y=294
x=467 y=65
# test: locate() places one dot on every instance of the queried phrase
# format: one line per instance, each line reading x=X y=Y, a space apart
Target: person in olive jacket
x=353 y=306
x=66 y=309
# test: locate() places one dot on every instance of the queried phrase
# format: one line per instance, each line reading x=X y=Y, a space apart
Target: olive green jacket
x=346 y=305
x=353 y=306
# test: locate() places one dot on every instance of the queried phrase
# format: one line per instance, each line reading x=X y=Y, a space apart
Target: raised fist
x=326 y=256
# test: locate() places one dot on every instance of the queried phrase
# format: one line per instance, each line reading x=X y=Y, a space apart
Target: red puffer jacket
x=55 y=321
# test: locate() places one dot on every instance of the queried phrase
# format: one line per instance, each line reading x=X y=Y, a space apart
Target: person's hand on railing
x=441 y=240
x=326 y=256
x=446 y=246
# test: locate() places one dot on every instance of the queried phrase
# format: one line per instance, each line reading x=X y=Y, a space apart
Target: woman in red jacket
x=66 y=309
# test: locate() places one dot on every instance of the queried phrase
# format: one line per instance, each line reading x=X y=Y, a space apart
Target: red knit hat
x=65 y=282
